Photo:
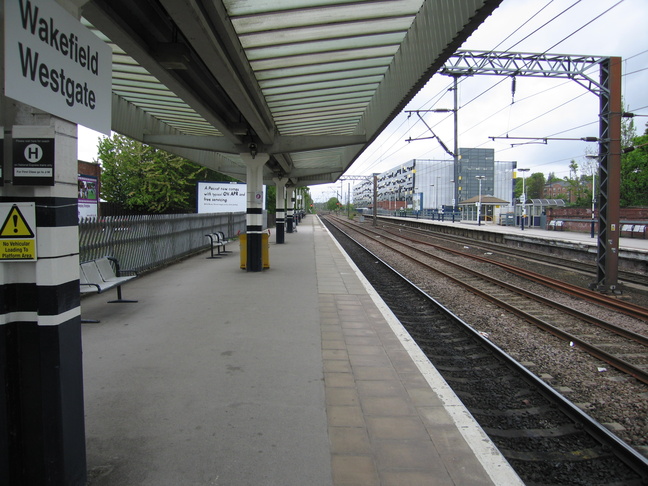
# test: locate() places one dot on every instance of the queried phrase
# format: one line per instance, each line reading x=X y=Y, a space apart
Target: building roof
x=485 y=200
x=547 y=202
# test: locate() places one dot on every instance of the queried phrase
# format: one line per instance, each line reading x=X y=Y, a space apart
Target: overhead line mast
x=608 y=88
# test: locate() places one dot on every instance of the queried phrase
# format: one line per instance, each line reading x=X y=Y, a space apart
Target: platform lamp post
x=432 y=209
x=454 y=201
x=436 y=198
x=593 y=224
x=480 y=179
x=523 y=197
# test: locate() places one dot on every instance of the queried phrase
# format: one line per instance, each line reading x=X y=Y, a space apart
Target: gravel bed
x=607 y=395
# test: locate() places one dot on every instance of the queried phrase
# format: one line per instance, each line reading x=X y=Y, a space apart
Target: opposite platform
x=294 y=375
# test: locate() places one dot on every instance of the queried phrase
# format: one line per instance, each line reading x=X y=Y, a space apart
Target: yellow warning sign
x=17 y=239
x=15 y=225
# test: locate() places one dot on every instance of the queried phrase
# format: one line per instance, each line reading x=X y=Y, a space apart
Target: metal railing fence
x=147 y=241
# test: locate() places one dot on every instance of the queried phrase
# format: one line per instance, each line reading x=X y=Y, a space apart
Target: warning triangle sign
x=15 y=226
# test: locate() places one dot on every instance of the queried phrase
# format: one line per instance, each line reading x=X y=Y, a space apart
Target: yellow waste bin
x=265 y=250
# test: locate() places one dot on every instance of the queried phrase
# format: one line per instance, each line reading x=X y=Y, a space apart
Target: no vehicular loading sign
x=17 y=238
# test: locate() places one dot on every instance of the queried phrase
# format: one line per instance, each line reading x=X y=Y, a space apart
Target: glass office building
x=430 y=185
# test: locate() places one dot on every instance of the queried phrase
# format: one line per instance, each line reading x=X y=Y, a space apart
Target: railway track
x=544 y=259
x=623 y=349
x=545 y=438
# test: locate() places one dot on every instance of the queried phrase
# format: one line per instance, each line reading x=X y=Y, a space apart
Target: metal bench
x=225 y=240
x=639 y=230
x=627 y=229
x=556 y=224
x=217 y=241
x=104 y=274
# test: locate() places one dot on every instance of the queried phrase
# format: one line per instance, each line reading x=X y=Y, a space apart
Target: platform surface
x=297 y=375
x=637 y=243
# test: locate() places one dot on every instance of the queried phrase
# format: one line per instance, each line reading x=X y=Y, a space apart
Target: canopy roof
x=546 y=202
x=485 y=200
x=310 y=82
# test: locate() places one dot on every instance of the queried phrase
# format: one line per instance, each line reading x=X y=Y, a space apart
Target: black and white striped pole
x=42 y=427
x=280 y=209
x=254 y=163
x=290 y=199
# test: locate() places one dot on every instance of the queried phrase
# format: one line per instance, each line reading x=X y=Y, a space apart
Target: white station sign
x=55 y=64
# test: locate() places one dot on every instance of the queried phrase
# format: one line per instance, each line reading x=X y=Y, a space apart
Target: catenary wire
x=625 y=74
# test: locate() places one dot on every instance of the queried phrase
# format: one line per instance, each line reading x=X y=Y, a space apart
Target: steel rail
x=622 y=365
x=579 y=266
x=625 y=452
x=627 y=308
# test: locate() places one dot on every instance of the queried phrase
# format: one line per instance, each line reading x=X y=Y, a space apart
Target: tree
x=552 y=177
x=271 y=199
x=141 y=178
x=333 y=204
x=634 y=173
x=533 y=186
x=575 y=189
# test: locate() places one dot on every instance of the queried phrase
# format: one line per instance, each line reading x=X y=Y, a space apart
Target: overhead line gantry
x=607 y=86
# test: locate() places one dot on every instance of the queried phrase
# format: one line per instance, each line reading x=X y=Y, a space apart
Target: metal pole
x=349 y=200
x=456 y=148
x=523 y=198
x=610 y=176
x=593 y=203
x=375 y=199
x=479 y=178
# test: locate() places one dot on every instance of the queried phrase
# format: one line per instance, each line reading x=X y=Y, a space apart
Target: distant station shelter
x=499 y=211
x=536 y=211
x=491 y=207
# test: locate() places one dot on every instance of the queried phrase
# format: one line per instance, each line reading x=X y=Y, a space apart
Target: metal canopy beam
x=212 y=36
x=281 y=145
x=608 y=89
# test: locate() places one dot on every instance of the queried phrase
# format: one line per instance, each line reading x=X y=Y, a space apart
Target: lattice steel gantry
x=608 y=88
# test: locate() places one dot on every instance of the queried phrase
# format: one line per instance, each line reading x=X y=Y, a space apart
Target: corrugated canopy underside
x=310 y=82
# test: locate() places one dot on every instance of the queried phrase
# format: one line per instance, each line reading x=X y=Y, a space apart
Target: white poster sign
x=55 y=64
x=222 y=197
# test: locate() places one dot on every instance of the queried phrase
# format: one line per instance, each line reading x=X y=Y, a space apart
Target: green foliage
x=271 y=199
x=333 y=204
x=634 y=174
x=142 y=178
x=534 y=186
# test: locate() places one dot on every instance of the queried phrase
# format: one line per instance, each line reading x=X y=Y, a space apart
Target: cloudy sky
x=540 y=108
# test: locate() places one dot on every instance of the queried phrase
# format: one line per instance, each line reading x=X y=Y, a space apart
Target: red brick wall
x=625 y=214
x=89 y=169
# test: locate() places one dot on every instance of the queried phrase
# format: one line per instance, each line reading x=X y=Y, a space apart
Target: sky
x=540 y=107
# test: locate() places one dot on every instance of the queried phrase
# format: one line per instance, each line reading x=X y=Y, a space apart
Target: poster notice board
x=88 y=196
x=222 y=197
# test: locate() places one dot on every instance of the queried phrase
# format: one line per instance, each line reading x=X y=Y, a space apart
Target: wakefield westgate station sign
x=54 y=63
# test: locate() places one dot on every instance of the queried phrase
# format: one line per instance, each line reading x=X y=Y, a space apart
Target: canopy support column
x=280 y=209
x=254 y=165
x=290 y=199
x=42 y=424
